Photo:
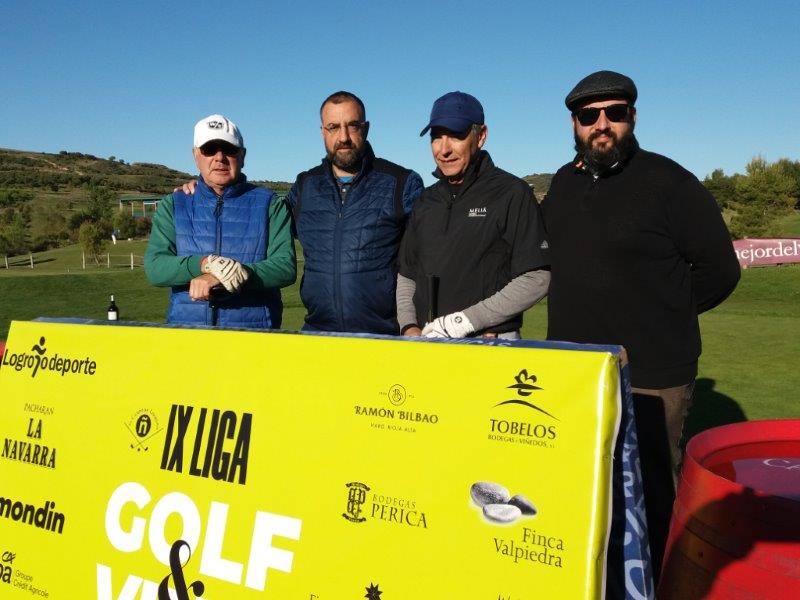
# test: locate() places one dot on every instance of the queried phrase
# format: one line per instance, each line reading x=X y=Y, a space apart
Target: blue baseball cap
x=455 y=111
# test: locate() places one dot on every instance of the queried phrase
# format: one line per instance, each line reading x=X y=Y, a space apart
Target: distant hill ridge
x=58 y=172
x=66 y=170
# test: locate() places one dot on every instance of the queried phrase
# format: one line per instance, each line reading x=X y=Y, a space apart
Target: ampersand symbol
x=176 y=572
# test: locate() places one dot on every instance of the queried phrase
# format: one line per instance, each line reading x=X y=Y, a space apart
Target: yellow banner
x=155 y=463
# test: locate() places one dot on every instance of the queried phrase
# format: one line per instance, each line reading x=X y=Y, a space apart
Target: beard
x=347 y=157
x=599 y=160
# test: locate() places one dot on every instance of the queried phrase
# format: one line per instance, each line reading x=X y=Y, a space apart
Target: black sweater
x=636 y=255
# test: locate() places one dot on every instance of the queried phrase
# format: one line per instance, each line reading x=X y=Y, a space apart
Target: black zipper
x=337 y=241
x=217 y=249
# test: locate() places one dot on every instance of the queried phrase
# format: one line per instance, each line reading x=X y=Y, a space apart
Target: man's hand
x=200 y=287
x=188 y=187
x=454 y=325
x=413 y=332
x=229 y=272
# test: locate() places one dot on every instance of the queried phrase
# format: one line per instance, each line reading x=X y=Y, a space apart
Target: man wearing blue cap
x=474 y=255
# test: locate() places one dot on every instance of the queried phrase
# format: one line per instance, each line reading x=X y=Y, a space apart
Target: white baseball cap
x=217 y=127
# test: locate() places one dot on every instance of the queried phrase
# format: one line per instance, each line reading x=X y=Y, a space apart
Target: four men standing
x=636 y=246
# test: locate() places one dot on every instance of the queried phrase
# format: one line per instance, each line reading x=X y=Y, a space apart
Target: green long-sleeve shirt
x=164 y=268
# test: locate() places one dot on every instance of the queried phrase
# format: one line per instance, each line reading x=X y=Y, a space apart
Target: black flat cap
x=599 y=85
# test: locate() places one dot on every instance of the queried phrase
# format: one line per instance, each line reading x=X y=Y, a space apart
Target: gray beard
x=349 y=162
x=599 y=161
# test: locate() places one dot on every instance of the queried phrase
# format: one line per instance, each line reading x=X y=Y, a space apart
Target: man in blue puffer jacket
x=226 y=249
x=350 y=214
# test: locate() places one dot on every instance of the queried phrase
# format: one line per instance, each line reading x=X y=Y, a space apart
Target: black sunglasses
x=211 y=149
x=616 y=113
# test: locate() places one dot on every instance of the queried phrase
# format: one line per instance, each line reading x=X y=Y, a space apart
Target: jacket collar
x=480 y=163
x=232 y=191
x=366 y=164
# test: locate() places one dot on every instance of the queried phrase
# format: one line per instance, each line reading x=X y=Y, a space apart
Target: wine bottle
x=113 y=311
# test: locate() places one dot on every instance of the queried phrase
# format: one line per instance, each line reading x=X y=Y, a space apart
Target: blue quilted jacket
x=351 y=248
x=234 y=225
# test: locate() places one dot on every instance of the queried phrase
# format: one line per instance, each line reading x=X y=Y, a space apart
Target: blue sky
x=719 y=82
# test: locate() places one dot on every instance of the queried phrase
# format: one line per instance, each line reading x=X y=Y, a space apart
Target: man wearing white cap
x=225 y=249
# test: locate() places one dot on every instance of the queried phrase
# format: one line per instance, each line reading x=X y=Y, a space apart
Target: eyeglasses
x=616 y=113
x=211 y=149
x=352 y=127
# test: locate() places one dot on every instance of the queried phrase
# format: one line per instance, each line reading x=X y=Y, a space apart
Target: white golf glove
x=230 y=273
x=454 y=325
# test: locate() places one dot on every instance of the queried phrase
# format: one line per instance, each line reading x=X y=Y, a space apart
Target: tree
x=143 y=226
x=14 y=233
x=52 y=228
x=100 y=206
x=722 y=187
x=767 y=193
x=93 y=239
x=125 y=224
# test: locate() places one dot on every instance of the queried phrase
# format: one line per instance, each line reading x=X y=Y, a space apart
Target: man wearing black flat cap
x=474 y=256
x=638 y=249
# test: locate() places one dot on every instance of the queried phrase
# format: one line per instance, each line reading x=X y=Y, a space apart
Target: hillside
x=40 y=171
x=540 y=183
x=55 y=172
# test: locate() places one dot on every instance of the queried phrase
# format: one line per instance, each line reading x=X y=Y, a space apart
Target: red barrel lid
x=769 y=467
x=763 y=456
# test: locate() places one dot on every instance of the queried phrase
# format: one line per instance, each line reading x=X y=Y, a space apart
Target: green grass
x=790 y=225
x=58 y=286
x=750 y=368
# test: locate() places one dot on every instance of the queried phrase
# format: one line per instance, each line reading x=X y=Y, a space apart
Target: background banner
x=161 y=463
x=754 y=252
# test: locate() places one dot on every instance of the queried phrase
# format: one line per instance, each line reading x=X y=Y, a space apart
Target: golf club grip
x=433 y=297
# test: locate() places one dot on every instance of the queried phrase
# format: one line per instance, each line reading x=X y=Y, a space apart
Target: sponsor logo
x=356 y=496
x=397 y=395
x=142 y=426
x=533 y=548
x=30 y=451
x=392 y=418
x=544 y=245
x=215 y=124
x=39 y=409
x=477 y=212
x=524 y=387
x=211 y=456
x=774 y=251
x=6 y=560
x=525 y=432
x=378 y=506
x=373 y=592
x=42 y=517
x=11 y=574
x=38 y=360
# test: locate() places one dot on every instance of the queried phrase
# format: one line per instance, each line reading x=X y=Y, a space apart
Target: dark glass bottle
x=113 y=311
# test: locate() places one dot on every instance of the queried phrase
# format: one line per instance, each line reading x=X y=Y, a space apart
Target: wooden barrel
x=735 y=530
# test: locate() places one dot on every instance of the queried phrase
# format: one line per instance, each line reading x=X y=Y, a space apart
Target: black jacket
x=474 y=242
x=636 y=255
